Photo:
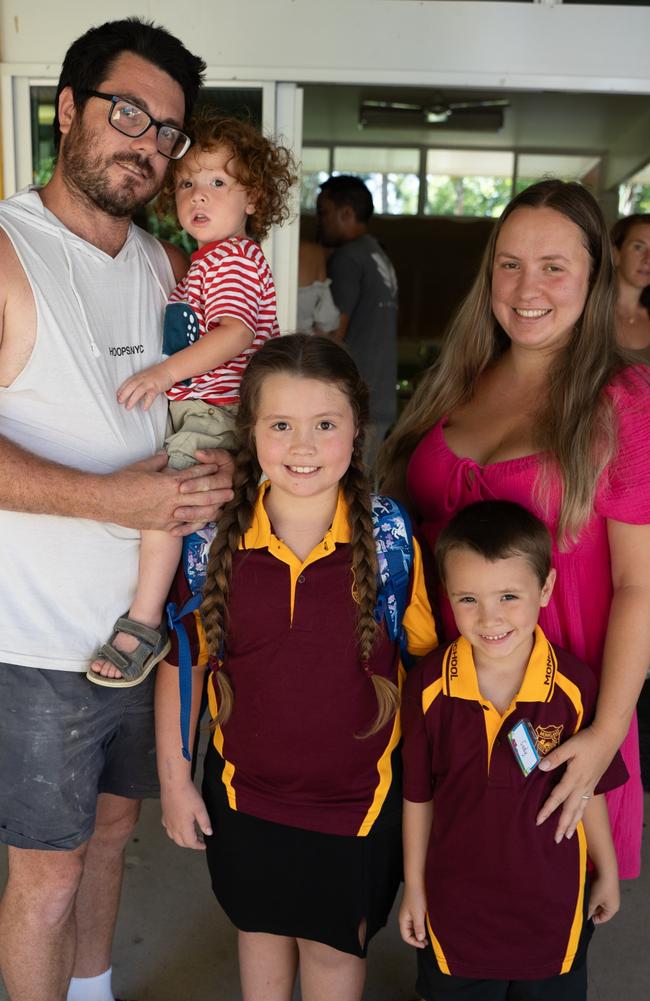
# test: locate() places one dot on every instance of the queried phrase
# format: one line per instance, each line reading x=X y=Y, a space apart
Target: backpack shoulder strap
x=394 y=545
x=175 y=616
x=196 y=550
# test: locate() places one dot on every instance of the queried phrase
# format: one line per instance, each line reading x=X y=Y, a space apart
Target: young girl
x=229 y=189
x=299 y=787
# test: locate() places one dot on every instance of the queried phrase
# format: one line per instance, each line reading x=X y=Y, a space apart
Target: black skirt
x=283 y=880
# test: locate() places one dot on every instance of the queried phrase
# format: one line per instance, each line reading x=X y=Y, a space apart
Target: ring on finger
x=587 y=796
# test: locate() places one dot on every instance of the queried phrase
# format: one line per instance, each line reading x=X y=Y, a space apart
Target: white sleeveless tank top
x=64 y=581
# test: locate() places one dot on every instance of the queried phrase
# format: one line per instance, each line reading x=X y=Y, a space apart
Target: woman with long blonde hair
x=532 y=402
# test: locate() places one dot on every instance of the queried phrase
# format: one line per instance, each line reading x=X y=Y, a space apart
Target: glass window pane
x=392 y=194
x=392 y=175
x=471 y=162
x=41 y=99
x=310 y=182
x=375 y=159
x=532 y=167
x=402 y=192
x=468 y=182
x=315 y=170
x=634 y=194
x=315 y=158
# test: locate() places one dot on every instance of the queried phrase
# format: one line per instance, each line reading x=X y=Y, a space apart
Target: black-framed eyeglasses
x=130 y=120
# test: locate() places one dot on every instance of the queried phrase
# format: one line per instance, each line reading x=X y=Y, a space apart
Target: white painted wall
x=562 y=47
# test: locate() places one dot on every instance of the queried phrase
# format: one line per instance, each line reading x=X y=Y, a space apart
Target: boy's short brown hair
x=265 y=169
x=496 y=530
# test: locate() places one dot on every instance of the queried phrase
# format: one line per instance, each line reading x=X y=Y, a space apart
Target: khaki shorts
x=196 y=424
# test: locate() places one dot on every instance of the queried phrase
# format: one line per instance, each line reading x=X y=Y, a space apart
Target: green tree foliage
x=633 y=197
x=467 y=196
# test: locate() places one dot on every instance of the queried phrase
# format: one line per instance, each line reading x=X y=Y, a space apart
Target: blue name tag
x=524 y=746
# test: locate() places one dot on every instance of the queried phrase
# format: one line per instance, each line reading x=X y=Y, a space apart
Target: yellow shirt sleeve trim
x=430 y=694
x=202 y=659
x=576 y=926
x=573 y=693
x=418 y=618
x=441 y=959
x=217 y=740
x=385 y=770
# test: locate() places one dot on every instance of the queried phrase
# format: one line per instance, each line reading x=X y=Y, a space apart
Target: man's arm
x=346 y=275
x=341 y=330
x=139 y=496
x=177 y=258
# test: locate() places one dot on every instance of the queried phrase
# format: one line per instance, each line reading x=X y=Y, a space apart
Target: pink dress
x=440 y=483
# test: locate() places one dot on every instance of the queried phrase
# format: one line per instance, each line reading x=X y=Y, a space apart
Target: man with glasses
x=83 y=293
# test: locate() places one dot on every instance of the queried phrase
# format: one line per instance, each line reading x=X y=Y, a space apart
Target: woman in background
x=631 y=250
x=317 y=313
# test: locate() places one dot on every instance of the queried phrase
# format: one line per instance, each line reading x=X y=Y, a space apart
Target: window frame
x=424 y=148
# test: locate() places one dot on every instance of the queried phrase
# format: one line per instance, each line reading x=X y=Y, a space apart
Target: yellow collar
x=459 y=672
x=260 y=534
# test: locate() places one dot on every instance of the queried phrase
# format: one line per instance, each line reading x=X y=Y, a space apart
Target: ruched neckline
x=467 y=481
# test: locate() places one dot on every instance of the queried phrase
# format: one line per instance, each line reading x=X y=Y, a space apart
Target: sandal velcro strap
x=151 y=637
x=133 y=665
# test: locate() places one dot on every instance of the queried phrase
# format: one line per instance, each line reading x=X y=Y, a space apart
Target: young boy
x=495 y=907
x=228 y=190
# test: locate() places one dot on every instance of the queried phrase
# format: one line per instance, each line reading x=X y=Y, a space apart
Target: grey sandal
x=136 y=665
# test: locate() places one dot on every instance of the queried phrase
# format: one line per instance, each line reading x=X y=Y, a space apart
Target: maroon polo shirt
x=504 y=901
x=292 y=747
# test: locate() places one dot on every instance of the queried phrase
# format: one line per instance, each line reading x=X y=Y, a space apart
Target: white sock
x=91 y=988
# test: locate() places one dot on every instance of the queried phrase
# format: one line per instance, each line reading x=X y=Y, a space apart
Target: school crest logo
x=548 y=737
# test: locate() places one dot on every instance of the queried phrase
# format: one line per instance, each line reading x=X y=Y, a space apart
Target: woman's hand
x=587 y=755
x=184 y=816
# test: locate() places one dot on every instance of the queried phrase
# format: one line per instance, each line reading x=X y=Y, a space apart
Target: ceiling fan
x=484 y=114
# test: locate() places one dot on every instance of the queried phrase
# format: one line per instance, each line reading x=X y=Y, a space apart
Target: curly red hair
x=264 y=168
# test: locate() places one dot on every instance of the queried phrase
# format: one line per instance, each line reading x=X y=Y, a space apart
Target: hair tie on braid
x=367 y=668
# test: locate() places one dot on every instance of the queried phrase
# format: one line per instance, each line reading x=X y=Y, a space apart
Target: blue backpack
x=394 y=544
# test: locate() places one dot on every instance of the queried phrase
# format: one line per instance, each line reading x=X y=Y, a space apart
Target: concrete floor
x=174 y=944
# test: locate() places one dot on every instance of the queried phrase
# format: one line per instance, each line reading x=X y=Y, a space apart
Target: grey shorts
x=62 y=742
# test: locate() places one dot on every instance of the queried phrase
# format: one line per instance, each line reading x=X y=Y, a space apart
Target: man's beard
x=86 y=172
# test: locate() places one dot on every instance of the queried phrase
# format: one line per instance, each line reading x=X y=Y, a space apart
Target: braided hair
x=310 y=357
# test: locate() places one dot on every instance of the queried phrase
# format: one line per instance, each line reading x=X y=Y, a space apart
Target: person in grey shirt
x=364 y=288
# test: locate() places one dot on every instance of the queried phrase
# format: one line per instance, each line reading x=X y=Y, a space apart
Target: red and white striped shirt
x=228 y=278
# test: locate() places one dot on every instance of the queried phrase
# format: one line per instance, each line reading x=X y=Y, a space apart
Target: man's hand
x=192 y=519
x=147 y=495
x=145 y=386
